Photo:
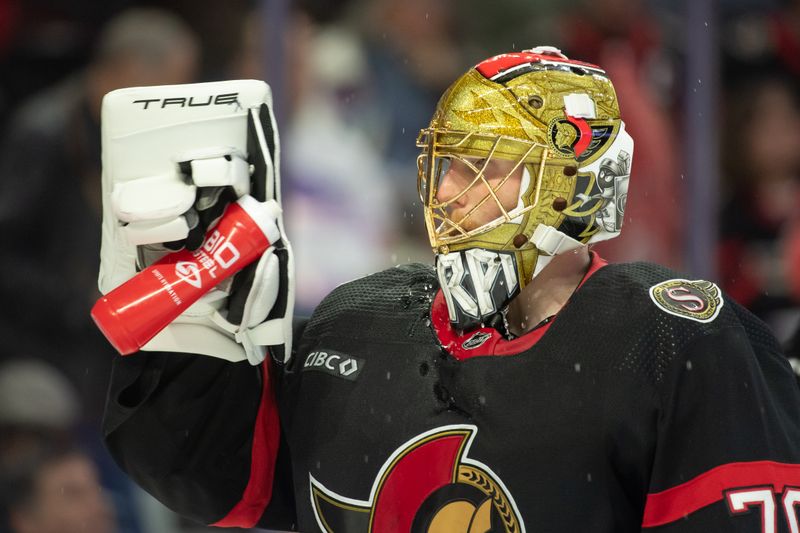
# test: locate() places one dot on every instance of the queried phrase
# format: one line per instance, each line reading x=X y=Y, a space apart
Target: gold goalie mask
x=526 y=157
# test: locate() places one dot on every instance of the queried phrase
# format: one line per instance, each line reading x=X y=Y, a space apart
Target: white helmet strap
x=551 y=242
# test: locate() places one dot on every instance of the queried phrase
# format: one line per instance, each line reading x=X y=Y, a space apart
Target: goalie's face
x=471 y=184
x=474 y=192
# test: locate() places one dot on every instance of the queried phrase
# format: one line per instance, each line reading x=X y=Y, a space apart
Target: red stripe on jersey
x=710 y=487
x=263 y=456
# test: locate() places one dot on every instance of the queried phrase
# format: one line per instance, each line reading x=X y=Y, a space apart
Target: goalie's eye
x=475 y=164
x=444 y=165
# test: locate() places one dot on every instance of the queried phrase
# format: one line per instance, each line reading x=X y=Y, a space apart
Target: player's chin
x=460 y=229
x=476 y=220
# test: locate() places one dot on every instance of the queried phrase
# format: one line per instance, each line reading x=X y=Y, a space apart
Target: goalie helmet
x=542 y=130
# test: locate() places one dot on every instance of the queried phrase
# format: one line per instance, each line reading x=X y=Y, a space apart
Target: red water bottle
x=133 y=313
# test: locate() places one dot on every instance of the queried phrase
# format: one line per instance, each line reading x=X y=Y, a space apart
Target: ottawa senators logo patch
x=428 y=485
x=575 y=137
x=697 y=300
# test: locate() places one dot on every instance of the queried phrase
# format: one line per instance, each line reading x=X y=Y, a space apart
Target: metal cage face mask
x=490 y=181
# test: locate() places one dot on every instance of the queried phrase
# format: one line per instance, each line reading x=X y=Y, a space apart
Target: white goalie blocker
x=161 y=146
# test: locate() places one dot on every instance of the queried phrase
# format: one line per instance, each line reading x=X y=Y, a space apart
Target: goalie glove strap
x=221 y=339
x=154 y=198
x=197 y=339
x=218 y=167
x=150 y=232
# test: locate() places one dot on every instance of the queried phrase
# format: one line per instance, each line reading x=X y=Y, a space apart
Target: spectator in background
x=786 y=31
x=764 y=37
x=413 y=54
x=761 y=164
x=627 y=41
x=50 y=197
x=339 y=228
x=792 y=262
x=37 y=404
x=40 y=414
x=53 y=489
x=791 y=255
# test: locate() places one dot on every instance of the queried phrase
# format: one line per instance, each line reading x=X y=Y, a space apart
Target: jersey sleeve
x=727 y=456
x=201 y=435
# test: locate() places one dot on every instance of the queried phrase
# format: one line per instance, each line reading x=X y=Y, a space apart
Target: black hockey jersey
x=650 y=402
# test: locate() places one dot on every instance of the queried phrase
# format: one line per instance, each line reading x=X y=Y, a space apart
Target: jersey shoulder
x=649 y=291
x=649 y=315
x=377 y=304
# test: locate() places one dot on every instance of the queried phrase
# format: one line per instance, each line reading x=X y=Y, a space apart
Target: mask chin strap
x=551 y=242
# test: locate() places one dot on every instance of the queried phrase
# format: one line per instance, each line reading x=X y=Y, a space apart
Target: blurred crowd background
x=709 y=91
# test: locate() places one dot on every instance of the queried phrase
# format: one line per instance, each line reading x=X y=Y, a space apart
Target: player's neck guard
x=476 y=283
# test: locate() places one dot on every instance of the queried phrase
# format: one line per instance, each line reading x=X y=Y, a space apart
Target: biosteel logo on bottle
x=133 y=313
x=216 y=253
x=190 y=273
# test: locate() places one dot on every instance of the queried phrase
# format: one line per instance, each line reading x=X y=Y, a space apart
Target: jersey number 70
x=744 y=500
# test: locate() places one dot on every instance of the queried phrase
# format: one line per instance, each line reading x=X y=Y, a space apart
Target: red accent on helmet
x=585 y=136
x=494 y=65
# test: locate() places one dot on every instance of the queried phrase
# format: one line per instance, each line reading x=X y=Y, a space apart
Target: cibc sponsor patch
x=334 y=363
x=697 y=300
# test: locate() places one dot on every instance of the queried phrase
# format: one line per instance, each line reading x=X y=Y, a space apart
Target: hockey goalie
x=519 y=383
